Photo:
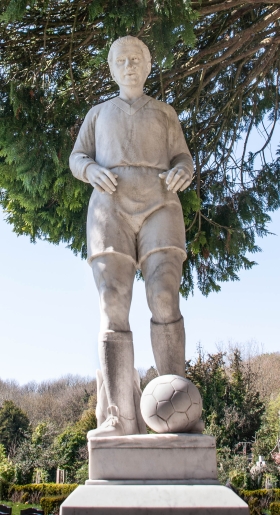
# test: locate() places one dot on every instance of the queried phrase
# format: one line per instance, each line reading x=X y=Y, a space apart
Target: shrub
x=7 y=469
x=51 y=504
x=233 y=467
x=82 y=474
x=4 y=489
x=259 y=500
x=275 y=508
x=34 y=492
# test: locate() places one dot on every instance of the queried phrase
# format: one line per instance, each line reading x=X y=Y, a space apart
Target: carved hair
x=128 y=40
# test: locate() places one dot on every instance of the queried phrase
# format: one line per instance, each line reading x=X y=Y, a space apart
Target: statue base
x=155 y=456
x=153 y=474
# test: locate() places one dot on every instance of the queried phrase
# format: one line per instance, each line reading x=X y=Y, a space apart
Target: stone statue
x=132 y=150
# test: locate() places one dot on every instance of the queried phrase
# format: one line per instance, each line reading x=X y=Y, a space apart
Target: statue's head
x=130 y=61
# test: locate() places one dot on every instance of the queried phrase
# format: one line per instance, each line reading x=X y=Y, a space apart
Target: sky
x=49 y=310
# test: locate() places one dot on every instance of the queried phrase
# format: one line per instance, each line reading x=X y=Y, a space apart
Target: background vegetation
x=44 y=426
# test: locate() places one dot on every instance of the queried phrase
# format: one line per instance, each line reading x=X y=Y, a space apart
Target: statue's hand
x=101 y=179
x=176 y=179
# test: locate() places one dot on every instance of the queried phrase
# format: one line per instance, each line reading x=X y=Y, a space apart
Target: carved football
x=171 y=404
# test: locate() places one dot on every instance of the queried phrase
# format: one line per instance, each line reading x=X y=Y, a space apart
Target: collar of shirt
x=133 y=108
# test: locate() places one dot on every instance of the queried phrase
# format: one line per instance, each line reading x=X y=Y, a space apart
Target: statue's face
x=128 y=66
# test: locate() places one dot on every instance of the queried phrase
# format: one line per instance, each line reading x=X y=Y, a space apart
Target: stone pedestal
x=162 y=456
x=153 y=499
x=153 y=474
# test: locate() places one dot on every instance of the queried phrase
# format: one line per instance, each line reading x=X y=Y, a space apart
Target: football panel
x=148 y=406
x=180 y=384
x=163 y=392
x=157 y=424
x=181 y=401
x=194 y=412
x=178 y=422
x=164 y=409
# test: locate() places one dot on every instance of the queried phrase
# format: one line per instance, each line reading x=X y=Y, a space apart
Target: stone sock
x=168 y=343
x=117 y=365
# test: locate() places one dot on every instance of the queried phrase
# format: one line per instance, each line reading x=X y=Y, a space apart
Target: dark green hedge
x=34 y=492
x=275 y=508
x=52 y=503
x=259 y=500
x=4 y=489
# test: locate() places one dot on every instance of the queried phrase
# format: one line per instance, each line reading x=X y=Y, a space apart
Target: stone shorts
x=139 y=218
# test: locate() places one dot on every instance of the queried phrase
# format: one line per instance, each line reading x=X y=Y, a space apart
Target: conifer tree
x=232 y=408
x=14 y=425
x=216 y=62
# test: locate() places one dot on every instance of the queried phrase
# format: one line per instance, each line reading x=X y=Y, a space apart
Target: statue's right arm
x=83 y=153
x=82 y=159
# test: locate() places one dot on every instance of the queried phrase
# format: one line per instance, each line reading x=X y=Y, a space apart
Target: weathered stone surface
x=154 y=499
x=165 y=456
x=133 y=152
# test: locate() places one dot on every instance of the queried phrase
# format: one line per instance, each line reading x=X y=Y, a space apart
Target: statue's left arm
x=180 y=175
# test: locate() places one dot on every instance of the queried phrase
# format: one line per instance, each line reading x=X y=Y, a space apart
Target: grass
x=17 y=506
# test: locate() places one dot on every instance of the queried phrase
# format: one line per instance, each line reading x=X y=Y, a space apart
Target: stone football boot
x=117 y=366
x=102 y=403
x=112 y=426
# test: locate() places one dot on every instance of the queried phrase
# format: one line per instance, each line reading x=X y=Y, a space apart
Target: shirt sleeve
x=179 y=153
x=83 y=153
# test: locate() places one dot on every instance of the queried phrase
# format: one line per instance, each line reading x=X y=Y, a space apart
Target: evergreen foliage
x=233 y=468
x=7 y=469
x=268 y=437
x=232 y=408
x=36 y=454
x=14 y=424
x=217 y=63
x=232 y=411
x=71 y=444
x=61 y=442
x=4 y=489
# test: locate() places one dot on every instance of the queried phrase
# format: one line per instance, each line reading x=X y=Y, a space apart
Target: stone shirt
x=144 y=134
